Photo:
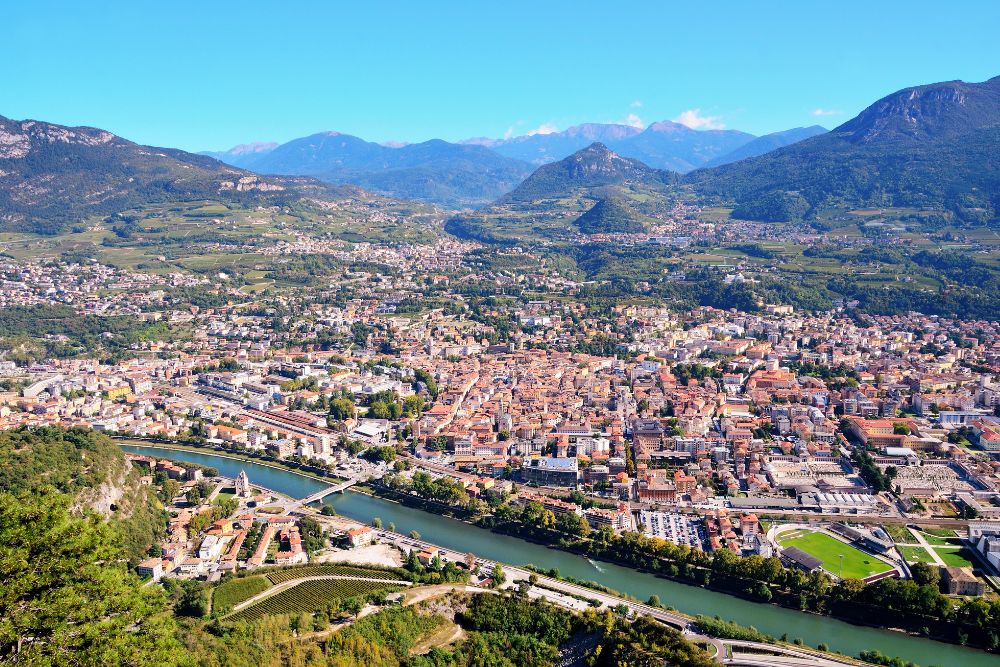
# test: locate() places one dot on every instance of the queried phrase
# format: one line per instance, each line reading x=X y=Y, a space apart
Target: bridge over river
x=323 y=493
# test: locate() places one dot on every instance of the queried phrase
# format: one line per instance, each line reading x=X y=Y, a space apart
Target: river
x=459 y=536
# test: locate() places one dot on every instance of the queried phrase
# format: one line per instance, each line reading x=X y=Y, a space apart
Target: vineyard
x=230 y=593
x=280 y=576
x=310 y=596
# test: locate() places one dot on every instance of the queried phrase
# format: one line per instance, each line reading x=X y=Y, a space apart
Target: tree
x=342 y=409
x=413 y=406
x=499 y=577
x=377 y=522
x=571 y=523
x=67 y=596
x=189 y=597
x=923 y=573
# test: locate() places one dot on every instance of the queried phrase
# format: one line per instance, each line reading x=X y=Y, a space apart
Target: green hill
x=554 y=202
x=90 y=470
x=935 y=146
x=610 y=216
x=592 y=167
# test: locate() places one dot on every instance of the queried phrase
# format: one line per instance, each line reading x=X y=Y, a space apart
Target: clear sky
x=209 y=74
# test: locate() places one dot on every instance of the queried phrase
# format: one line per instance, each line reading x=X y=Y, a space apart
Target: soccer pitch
x=857 y=563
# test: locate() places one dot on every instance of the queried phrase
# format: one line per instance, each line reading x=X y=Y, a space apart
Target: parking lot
x=673 y=527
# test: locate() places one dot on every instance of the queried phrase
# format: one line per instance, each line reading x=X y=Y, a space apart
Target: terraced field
x=280 y=576
x=310 y=596
x=230 y=593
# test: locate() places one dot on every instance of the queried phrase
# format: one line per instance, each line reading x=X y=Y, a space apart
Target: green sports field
x=857 y=563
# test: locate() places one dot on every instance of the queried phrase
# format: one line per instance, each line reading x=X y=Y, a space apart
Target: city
x=640 y=357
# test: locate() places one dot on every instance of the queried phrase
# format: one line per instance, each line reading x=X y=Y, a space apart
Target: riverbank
x=226 y=454
x=462 y=537
x=702 y=575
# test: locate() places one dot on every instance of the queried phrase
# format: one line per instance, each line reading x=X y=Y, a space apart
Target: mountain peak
x=928 y=111
x=252 y=147
x=667 y=126
x=594 y=166
x=601 y=132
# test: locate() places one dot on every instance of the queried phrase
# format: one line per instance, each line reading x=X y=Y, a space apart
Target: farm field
x=857 y=564
x=310 y=596
x=230 y=593
x=280 y=576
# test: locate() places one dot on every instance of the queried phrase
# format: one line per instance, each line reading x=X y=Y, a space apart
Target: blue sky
x=211 y=74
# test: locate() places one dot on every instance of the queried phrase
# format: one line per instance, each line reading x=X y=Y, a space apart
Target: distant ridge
x=435 y=170
x=664 y=144
x=766 y=144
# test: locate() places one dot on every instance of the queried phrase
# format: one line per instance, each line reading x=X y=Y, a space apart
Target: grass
x=224 y=496
x=938 y=532
x=916 y=555
x=898 y=533
x=939 y=541
x=230 y=593
x=956 y=557
x=857 y=564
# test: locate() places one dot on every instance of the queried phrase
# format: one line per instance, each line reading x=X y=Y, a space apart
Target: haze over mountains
x=932 y=146
x=478 y=171
x=437 y=171
x=935 y=146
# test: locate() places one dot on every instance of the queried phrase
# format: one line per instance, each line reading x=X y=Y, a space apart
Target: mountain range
x=437 y=171
x=934 y=147
x=663 y=145
x=478 y=171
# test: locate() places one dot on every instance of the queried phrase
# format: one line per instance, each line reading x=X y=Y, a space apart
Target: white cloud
x=544 y=128
x=509 y=133
x=636 y=105
x=826 y=112
x=634 y=121
x=693 y=119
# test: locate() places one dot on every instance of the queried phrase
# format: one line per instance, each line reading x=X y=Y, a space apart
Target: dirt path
x=422 y=593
